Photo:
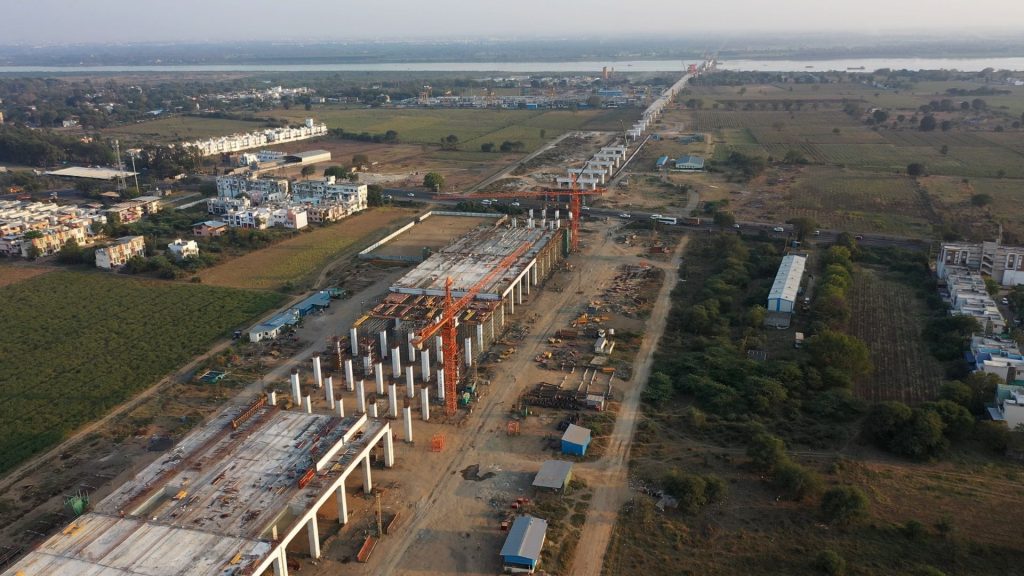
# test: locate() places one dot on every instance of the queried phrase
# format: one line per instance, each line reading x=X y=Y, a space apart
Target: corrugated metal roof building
x=575 y=440
x=553 y=475
x=521 y=552
x=782 y=297
x=689 y=163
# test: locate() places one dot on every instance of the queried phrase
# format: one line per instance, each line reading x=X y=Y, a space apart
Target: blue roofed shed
x=575 y=440
x=689 y=163
x=662 y=161
x=272 y=328
x=318 y=301
x=521 y=552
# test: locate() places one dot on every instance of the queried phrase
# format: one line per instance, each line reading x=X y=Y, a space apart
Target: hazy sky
x=71 y=21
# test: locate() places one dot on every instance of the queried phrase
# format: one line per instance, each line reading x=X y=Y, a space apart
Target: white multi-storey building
x=253 y=218
x=182 y=249
x=328 y=190
x=291 y=217
x=246 y=141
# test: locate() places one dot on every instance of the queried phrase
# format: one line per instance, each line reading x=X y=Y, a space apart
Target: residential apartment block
x=134 y=210
x=968 y=296
x=239 y=142
x=39 y=229
x=1004 y=264
x=120 y=252
x=259 y=190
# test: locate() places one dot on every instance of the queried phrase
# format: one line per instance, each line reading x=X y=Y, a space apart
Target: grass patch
x=291 y=264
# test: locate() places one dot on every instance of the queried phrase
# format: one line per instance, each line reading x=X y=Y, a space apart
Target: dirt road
x=609 y=474
x=452 y=528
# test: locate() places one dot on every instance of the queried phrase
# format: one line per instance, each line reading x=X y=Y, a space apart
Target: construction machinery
x=447 y=325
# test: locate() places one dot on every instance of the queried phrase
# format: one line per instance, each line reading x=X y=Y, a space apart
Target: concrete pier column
x=412 y=347
x=439 y=349
x=373 y=409
x=383 y=343
x=360 y=398
x=501 y=310
x=281 y=563
x=350 y=383
x=379 y=376
x=396 y=363
x=511 y=297
x=534 y=273
x=296 y=390
x=307 y=404
x=519 y=291
x=329 y=391
x=341 y=407
x=526 y=281
x=407 y=417
x=409 y=382
x=393 y=400
x=273 y=398
x=468 y=351
x=317 y=374
x=367 y=365
x=440 y=384
x=389 y=450
x=342 y=504
x=425 y=365
x=313 y=531
x=479 y=336
x=353 y=338
x=425 y=403
x=367 y=480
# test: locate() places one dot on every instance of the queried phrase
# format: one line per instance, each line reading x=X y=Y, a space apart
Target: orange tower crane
x=448 y=327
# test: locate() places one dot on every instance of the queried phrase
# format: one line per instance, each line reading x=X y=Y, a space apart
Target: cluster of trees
x=19 y=145
x=768 y=456
x=692 y=491
x=831 y=307
x=168 y=161
x=739 y=165
x=433 y=180
x=506 y=146
x=927 y=430
x=703 y=355
x=389 y=137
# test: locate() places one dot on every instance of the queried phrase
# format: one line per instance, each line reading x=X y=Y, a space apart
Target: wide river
x=868 y=64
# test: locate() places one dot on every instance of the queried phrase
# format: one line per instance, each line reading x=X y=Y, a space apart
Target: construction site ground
x=540 y=169
x=450 y=504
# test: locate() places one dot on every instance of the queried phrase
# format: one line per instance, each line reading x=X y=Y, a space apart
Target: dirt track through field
x=609 y=476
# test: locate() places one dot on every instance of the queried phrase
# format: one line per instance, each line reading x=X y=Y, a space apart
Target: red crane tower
x=448 y=328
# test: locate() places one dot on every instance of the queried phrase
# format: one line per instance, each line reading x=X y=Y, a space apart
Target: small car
x=656 y=216
x=1005 y=301
x=735 y=225
x=817 y=232
x=858 y=237
x=778 y=229
x=625 y=215
x=411 y=195
x=516 y=204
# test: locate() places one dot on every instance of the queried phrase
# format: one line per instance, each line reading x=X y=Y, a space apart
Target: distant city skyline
x=190 y=21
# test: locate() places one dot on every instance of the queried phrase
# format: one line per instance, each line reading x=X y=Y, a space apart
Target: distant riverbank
x=852 y=64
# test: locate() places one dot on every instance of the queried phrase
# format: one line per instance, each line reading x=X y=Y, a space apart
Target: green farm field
x=77 y=344
x=294 y=262
x=856 y=179
x=472 y=126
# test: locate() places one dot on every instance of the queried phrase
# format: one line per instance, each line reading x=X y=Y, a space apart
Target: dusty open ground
x=433 y=233
x=11 y=272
